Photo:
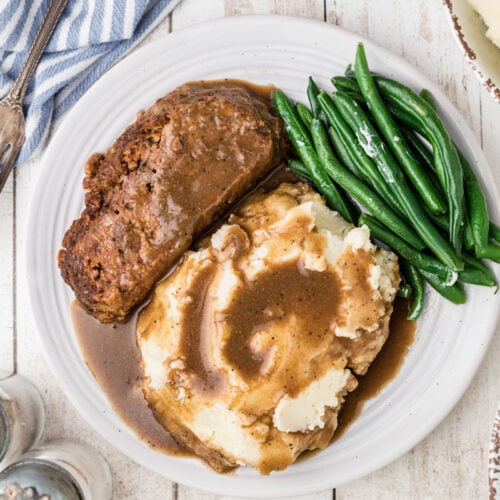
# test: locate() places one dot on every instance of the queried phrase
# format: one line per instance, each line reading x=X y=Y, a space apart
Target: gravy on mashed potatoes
x=250 y=346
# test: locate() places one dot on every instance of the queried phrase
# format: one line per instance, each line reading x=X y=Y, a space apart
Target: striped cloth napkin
x=90 y=37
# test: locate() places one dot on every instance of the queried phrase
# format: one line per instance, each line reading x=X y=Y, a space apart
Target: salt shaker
x=59 y=470
x=22 y=417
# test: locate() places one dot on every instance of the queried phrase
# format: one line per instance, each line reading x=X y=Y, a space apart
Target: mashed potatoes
x=251 y=345
x=489 y=10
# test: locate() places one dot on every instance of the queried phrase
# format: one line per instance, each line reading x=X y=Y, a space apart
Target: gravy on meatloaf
x=164 y=181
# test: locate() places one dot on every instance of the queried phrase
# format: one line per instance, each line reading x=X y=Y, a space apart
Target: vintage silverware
x=12 y=125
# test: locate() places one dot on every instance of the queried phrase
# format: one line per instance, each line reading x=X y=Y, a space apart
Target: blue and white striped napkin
x=90 y=37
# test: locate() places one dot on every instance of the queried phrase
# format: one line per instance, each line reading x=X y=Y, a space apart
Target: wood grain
x=452 y=461
x=7 y=343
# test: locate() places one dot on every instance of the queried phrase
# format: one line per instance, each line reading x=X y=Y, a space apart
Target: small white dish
x=479 y=51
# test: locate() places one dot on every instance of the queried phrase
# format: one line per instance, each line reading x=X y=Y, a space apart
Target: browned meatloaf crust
x=163 y=182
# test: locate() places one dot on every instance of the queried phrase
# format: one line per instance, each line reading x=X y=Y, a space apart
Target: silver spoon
x=12 y=126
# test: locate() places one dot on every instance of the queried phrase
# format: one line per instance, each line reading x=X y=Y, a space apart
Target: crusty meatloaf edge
x=164 y=182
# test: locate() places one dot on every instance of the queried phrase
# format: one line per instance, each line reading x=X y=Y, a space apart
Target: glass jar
x=60 y=470
x=22 y=417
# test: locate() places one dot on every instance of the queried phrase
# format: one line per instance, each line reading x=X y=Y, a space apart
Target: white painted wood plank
x=310 y=9
x=489 y=133
x=323 y=495
x=7 y=277
x=193 y=11
x=185 y=493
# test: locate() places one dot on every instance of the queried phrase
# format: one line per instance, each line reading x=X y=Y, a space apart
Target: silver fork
x=12 y=126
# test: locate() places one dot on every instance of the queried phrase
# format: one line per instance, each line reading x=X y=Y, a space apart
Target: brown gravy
x=384 y=368
x=112 y=355
x=272 y=297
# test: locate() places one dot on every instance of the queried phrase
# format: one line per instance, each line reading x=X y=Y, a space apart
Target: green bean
x=494 y=232
x=349 y=72
x=416 y=282
x=427 y=96
x=453 y=293
x=476 y=232
x=294 y=126
x=407 y=126
x=349 y=87
x=475 y=277
x=327 y=157
x=440 y=221
x=471 y=261
x=360 y=192
x=338 y=145
x=413 y=256
x=305 y=114
x=295 y=165
x=423 y=155
x=403 y=117
x=450 y=175
x=393 y=136
x=312 y=95
x=345 y=84
x=478 y=226
x=405 y=290
x=477 y=209
x=490 y=251
x=368 y=136
x=357 y=96
x=341 y=150
x=365 y=166
x=300 y=138
x=413 y=125
x=468 y=237
x=337 y=142
x=443 y=223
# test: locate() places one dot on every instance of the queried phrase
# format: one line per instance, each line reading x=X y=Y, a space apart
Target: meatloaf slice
x=164 y=181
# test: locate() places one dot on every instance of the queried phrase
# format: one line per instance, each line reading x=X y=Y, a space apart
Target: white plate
x=450 y=341
x=479 y=51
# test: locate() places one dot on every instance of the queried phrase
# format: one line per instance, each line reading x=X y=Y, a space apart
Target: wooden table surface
x=452 y=461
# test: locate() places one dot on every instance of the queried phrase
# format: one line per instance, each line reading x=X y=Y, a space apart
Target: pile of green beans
x=374 y=143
